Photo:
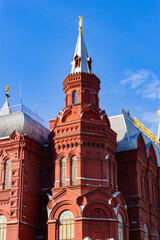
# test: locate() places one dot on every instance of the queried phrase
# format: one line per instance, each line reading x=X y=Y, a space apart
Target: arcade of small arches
x=76 y=127
x=84 y=144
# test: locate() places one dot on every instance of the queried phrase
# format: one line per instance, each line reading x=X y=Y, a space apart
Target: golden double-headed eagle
x=158 y=112
x=80 y=25
x=7 y=93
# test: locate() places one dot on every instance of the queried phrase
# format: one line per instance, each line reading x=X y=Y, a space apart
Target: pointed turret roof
x=81 y=61
x=5 y=109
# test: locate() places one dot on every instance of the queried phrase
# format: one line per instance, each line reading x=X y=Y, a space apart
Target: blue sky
x=37 y=43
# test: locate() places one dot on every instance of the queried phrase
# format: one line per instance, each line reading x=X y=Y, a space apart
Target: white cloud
x=143 y=81
x=152 y=120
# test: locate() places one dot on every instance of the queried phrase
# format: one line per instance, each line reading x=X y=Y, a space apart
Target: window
x=87 y=96
x=96 y=99
x=157 y=234
x=63 y=171
x=77 y=61
x=108 y=165
x=66 y=226
x=143 y=187
x=75 y=97
x=120 y=227
x=154 y=193
x=141 y=182
x=74 y=170
x=3 y=222
x=7 y=174
x=146 y=236
x=113 y=174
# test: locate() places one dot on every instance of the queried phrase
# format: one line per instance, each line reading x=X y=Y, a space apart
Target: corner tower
x=85 y=188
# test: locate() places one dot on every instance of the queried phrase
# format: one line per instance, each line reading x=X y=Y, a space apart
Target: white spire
x=5 y=109
x=81 y=61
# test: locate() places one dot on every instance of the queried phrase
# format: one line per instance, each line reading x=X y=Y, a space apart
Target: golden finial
x=80 y=25
x=158 y=112
x=7 y=93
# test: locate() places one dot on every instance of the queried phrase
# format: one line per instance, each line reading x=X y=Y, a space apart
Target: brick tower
x=85 y=202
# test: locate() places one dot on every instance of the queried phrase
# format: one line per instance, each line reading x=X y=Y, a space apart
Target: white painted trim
x=100 y=219
x=93 y=179
x=10 y=222
x=31 y=225
x=136 y=229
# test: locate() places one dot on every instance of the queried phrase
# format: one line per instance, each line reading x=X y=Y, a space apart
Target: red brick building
x=88 y=177
x=138 y=175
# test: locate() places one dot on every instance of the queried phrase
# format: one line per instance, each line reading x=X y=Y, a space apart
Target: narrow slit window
x=63 y=171
x=7 y=174
x=75 y=97
x=74 y=170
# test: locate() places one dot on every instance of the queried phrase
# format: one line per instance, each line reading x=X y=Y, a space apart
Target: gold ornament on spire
x=7 y=93
x=158 y=112
x=80 y=25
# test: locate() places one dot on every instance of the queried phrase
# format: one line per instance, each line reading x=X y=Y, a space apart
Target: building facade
x=89 y=177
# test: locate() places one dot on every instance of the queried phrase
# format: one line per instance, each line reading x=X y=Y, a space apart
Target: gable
x=64 y=194
x=97 y=193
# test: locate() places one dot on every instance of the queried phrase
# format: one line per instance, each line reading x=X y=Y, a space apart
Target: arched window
x=143 y=187
x=74 y=170
x=66 y=226
x=113 y=174
x=3 y=222
x=77 y=61
x=75 y=97
x=120 y=227
x=63 y=171
x=108 y=166
x=7 y=180
x=146 y=236
x=157 y=234
x=95 y=97
x=87 y=96
x=154 y=193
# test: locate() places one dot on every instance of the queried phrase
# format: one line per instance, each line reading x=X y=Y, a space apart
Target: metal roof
x=24 y=121
x=127 y=134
